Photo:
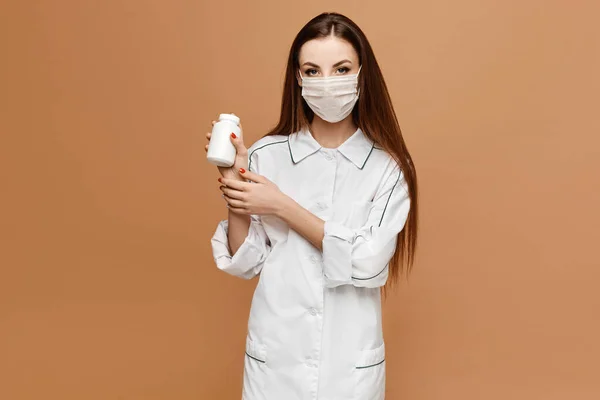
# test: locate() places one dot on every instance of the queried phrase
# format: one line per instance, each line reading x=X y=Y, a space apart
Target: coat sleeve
x=248 y=260
x=361 y=256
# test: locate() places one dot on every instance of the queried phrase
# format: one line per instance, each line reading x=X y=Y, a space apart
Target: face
x=330 y=56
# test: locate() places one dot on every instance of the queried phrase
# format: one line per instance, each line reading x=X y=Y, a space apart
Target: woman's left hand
x=261 y=196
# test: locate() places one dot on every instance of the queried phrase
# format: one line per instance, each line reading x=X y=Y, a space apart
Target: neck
x=330 y=134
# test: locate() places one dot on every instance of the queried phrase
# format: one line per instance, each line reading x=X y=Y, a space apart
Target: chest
x=331 y=188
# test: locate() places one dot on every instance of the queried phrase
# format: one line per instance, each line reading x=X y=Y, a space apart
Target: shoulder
x=384 y=162
x=268 y=144
x=270 y=150
x=389 y=168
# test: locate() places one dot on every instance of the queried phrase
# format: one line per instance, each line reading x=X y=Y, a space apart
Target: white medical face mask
x=331 y=98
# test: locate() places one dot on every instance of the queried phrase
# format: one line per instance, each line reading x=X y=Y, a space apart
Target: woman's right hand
x=241 y=157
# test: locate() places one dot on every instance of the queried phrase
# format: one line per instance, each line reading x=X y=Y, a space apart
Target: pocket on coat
x=370 y=374
x=255 y=370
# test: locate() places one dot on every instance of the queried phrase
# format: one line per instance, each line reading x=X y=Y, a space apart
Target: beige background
x=108 y=289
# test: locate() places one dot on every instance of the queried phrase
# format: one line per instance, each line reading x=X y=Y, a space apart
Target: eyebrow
x=334 y=65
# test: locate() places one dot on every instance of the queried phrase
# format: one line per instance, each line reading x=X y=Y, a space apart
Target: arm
x=302 y=221
x=240 y=244
x=358 y=257
x=239 y=226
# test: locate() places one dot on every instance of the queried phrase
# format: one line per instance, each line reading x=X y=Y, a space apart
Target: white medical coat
x=314 y=330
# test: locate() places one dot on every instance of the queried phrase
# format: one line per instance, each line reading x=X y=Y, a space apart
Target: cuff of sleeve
x=248 y=255
x=337 y=254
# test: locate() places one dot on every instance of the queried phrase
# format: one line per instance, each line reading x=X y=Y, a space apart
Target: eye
x=343 y=69
x=309 y=72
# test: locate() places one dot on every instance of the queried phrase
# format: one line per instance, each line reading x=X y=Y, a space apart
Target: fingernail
x=219 y=179
x=242 y=170
x=233 y=135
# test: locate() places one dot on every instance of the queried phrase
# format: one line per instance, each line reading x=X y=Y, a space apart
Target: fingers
x=232 y=193
x=233 y=202
x=252 y=176
x=209 y=134
x=234 y=184
x=238 y=143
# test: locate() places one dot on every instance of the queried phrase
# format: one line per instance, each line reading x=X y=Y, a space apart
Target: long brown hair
x=373 y=114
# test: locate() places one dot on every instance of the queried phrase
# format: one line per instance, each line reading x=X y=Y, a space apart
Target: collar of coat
x=357 y=148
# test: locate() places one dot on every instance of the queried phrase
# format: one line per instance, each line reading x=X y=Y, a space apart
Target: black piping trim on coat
x=368 y=155
x=381 y=220
x=258 y=148
x=389 y=197
x=374 y=276
x=372 y=365
x=254 y=358
x=290 y=150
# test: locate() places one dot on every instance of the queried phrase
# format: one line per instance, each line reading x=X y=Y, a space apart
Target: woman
x=324 y=208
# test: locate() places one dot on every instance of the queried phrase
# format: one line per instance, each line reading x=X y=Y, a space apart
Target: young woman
x=324 y=208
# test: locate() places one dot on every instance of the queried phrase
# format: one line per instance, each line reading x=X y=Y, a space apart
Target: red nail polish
x=242 y=170
x=233 y=135
x=219 y=179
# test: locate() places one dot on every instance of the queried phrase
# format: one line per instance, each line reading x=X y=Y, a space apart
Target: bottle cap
x=230 y=117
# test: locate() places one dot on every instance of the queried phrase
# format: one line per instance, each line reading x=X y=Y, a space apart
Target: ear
x=298 y=72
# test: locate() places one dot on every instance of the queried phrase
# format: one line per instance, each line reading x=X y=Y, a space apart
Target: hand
x=260 y=196
x=241 y=158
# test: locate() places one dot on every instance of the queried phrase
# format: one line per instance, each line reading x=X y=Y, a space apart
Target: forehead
x=327 y=51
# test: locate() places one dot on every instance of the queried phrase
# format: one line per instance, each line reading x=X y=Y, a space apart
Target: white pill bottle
x=221 y=151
